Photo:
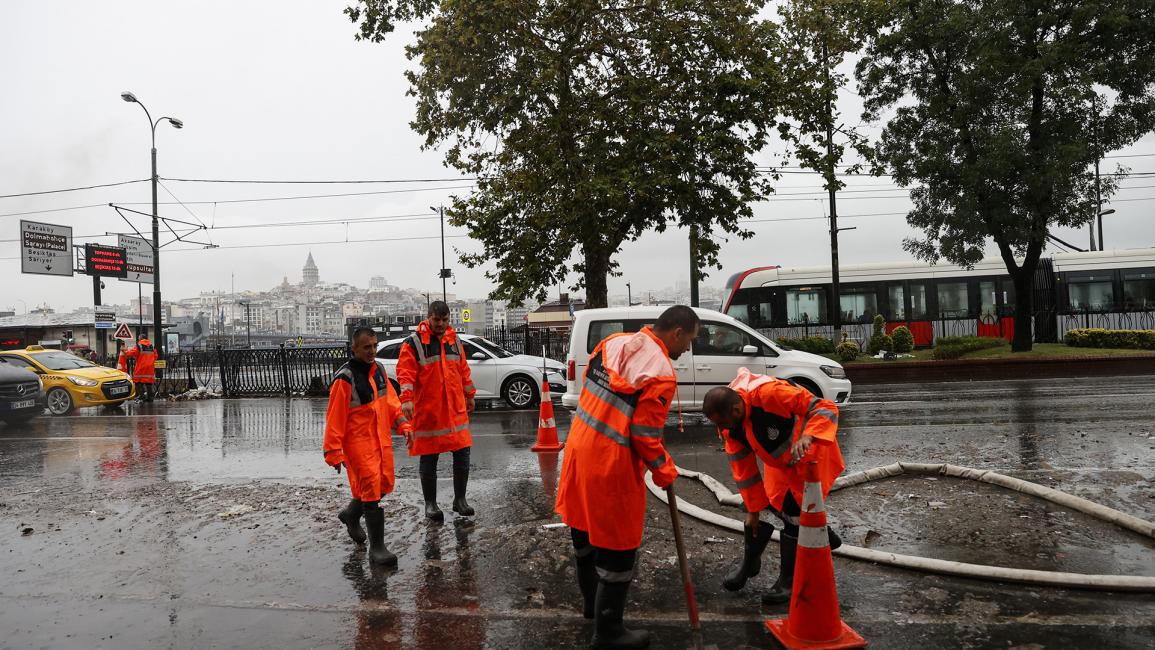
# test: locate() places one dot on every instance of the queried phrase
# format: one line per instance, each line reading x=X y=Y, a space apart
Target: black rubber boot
x=429 y=491
x=835 y=540
x=780 y=592
x=351 y=517
x=460 y=482
x=587 y=575
x=375 y=522
x=756 y=541
x=610 y=608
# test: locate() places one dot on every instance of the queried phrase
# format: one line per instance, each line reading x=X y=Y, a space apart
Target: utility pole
x=1098 y=155
x=444 y=273
x=101 y=337
x=693 y=266
x=629 y=296
x=836 y=306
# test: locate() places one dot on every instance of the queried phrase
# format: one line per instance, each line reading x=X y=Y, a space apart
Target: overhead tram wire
x=321 y=243
x=72 y=189
x=321 y=182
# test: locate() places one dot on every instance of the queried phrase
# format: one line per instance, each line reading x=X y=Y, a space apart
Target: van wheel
x=59 y=402
x=519 y=392
x=810 y=386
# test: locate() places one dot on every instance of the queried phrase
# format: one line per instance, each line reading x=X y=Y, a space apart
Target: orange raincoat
x=143 y=358
x=363 y=414
x=434 y=375
x=614 y=436
x=774 y=406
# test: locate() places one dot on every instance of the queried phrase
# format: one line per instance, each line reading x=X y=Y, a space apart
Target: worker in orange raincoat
x=615 y=435
x=363 y=414
x=140 y=363
x=782 y=425
x=437 y=394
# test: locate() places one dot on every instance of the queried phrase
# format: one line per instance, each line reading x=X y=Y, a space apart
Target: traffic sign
x=465 y=316
x=104 y=319
x=122 y=332
x=45 y=248
x=138 y=255
x=104 y=261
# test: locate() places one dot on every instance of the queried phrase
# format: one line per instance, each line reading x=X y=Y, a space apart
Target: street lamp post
x=158 y=332
x=629 y=296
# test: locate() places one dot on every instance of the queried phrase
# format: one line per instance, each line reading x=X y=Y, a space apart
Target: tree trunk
x=1024 y=280
x=597 y=270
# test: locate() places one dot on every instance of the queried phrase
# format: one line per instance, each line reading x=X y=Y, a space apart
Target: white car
x=497 y=372
x=724 y=344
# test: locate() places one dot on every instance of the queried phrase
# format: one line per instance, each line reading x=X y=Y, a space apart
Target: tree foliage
x=588 y=123
x=992 y=117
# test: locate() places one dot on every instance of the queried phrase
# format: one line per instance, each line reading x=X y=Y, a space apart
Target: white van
x=724 y=344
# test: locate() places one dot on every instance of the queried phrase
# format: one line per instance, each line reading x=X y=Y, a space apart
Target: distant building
x=310 y=275
x=555 y=315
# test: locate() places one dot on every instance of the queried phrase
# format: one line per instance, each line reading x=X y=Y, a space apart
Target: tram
x=1109 y=289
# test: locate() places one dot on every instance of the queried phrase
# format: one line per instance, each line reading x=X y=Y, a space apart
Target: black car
x=21 y=394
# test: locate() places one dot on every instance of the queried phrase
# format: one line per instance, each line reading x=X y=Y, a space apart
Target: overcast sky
x=280 y=90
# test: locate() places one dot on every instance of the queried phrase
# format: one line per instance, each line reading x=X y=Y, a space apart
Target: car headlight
x=82 y=381
x=834 y=372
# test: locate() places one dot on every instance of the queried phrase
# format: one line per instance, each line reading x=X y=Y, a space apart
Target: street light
x=156 y=309
x=444 y=272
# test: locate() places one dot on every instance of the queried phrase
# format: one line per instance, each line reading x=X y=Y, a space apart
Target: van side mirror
x=750 y=350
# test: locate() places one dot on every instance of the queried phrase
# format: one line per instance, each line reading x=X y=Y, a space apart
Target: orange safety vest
x=143 y=358
x=777 y=407
x=614 y=436
x=363 y=414
x=434 y=375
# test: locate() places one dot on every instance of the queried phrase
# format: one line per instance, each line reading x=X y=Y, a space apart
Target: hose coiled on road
x=949 y=567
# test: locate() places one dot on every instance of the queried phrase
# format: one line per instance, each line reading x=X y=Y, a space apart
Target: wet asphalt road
x=211 y=524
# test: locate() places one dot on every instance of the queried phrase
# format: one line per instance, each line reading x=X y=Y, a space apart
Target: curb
x=995 y=369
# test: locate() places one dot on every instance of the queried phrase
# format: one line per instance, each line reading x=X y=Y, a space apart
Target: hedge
x=847 y=351
x=953 y=347
x=1093 y=337
x=813 y=344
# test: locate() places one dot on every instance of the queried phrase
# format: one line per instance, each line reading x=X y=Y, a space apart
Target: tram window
x=805 y=305
x=753 y=307
x=988 y=300
x=897 y=302
x=1092 y=292
x=952 y=299
x=918 y=309
x=859 y=305
x=1139 y=289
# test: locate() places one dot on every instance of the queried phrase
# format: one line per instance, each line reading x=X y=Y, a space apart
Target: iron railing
x=244 y=372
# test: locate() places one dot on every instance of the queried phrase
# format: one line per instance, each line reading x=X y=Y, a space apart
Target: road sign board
x=45 y=248
x=465 y=315
x=138 y=254
x=104 y=261
x=105 y=318
x=122 y=332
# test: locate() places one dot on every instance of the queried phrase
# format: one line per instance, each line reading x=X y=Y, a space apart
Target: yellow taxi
x=71 y=382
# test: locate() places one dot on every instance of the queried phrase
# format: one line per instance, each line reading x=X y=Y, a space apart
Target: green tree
x=588 y=123
x=991 y=110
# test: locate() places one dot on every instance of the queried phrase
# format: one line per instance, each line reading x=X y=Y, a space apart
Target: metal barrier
x=524 y=340
x=245 y=372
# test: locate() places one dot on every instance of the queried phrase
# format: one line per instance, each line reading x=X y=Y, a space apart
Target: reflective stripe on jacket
x=775 y=407
x=363 y=414
x=614 y=437
x=434 y=375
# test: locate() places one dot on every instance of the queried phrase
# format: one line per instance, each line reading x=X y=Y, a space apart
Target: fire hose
x=949 y=567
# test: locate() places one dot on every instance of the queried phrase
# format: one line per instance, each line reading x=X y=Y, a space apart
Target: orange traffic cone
x=546 y=425
x=547 y=464
x=814 y=622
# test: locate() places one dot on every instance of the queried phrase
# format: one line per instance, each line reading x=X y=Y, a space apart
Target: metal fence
x=244 y=372
x=525 y=340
